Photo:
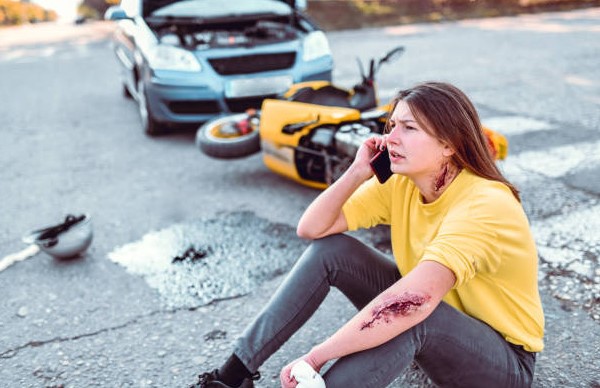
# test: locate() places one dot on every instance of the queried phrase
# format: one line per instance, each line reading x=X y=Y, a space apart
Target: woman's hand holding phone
x=365 y=154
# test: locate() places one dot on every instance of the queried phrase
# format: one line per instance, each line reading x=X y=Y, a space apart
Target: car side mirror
x=115 y=13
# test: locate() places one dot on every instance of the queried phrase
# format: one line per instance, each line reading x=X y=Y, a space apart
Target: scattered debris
x=215 y=335
x=192 y=254
x=22 y=312
x=26 y=253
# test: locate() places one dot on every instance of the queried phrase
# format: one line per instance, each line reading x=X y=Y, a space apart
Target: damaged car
x=188 y=61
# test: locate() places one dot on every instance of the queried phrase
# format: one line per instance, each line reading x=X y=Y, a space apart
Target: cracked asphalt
x=70 y=143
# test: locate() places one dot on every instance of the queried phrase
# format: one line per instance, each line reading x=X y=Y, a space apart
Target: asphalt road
x=70 y=143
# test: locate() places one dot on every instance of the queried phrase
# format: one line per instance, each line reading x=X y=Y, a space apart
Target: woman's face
x=413 y=152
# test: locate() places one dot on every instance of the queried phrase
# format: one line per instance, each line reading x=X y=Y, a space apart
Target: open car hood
x=210 y=9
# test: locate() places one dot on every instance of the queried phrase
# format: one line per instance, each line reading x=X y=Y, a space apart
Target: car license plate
x=246 y=87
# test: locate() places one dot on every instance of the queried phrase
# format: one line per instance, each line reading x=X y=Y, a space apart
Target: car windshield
x=222 y=9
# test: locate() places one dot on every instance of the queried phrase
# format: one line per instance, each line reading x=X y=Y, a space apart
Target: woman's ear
x=447 y=151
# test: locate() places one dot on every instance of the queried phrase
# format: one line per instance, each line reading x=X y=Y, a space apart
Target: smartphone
x=381 y=166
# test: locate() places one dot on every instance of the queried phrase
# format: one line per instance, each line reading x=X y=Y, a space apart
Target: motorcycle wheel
x=230 y=137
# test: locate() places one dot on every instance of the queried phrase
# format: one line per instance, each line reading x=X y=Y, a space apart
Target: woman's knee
x=334 y=242
x=330 y=249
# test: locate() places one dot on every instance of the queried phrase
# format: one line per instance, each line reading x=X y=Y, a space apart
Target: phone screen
x=380 y=164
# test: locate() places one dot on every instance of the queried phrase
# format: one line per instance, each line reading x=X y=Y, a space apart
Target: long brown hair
x=447 y=114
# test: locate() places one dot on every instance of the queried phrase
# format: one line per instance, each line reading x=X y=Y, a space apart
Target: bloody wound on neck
x=395 y=306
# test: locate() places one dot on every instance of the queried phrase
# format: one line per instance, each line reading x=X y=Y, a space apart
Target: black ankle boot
x=211 y=380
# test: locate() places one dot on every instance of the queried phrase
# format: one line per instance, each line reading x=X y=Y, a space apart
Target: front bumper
x=180 y=98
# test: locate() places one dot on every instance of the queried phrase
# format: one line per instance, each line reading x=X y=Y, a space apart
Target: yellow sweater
x=478 y=230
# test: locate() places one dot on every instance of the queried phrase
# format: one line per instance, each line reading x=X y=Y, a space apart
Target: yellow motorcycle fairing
x=278 y=147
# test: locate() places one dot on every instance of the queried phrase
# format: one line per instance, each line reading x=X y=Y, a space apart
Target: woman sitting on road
x=461 y=298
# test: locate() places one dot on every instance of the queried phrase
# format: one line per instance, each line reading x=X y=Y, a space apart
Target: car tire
x=149 y=124
x=227 y=147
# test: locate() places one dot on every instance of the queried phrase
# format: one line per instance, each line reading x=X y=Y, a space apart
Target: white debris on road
x=232 y=256
x=26 y=253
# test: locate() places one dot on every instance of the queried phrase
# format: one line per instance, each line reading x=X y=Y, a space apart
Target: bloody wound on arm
x=395 y=306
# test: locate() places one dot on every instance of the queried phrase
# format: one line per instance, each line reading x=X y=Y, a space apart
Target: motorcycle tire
x=212 y=140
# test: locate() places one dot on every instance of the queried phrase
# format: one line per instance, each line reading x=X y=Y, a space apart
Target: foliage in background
x=340 y=14
x=13 y=13
x=346 y=14
x=94 y=9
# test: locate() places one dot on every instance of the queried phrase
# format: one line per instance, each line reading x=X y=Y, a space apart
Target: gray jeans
x=452 y=348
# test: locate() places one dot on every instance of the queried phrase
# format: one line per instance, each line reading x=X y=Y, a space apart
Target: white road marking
x=554 y=162
x=515 y=125
x=35 y=55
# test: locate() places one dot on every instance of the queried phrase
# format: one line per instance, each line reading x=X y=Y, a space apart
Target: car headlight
x=164 y=57
x=315 y=46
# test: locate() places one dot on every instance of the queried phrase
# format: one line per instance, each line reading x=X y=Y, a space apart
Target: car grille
x=252 y=63
x=194 y=107
x=242 y=104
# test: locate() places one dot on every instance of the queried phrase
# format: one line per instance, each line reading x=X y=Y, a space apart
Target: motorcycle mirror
x=361 y=68
x=371 y=68
x=392 y=55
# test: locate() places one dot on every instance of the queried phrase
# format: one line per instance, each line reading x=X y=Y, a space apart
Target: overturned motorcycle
x=312 y=132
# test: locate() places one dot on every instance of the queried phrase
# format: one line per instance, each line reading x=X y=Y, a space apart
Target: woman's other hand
x=287 y=381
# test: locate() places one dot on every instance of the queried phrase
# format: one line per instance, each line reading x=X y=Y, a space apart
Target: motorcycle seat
x=327 y=96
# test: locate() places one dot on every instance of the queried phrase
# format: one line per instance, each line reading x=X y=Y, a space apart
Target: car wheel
x=150 y=125
x=228 y=137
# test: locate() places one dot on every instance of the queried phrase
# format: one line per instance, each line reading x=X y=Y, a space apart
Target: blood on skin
x=395 y=306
